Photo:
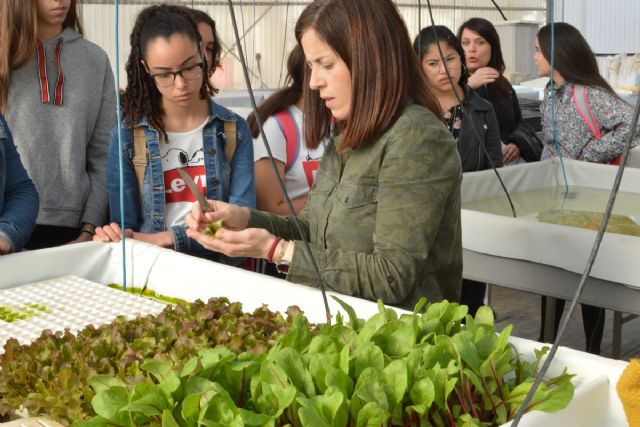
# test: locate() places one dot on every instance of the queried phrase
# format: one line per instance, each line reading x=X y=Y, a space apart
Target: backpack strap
x=230 y=137
x=140 y=154
x=291 y=133
x=582 y=105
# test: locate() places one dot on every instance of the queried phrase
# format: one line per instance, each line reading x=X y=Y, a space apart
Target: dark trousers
x=49 y=236
x=472 y=295
x=592 y=320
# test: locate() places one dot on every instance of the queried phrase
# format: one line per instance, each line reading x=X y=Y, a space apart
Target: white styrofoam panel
x=72 y=303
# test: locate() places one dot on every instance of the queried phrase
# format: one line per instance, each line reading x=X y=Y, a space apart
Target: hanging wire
x=294 y=216
x=121 y=155
x=499 y=10
x=552 y=95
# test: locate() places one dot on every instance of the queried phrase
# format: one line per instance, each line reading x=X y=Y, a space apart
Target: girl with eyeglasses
x=170 y=122
x=58 y=94
x=473 y=124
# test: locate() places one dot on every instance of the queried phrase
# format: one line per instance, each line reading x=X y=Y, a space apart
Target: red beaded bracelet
x=272 y=251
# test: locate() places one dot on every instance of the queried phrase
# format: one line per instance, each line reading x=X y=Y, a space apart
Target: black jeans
x=49 y=236
x=472 y=295
x=592 y=319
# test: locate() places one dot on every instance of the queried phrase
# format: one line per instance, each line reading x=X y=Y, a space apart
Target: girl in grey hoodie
x=58 y=92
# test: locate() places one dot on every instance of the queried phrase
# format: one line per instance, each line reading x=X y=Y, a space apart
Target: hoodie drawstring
x=42 y=74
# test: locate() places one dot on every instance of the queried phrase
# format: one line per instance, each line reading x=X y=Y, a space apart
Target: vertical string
x=120 y=163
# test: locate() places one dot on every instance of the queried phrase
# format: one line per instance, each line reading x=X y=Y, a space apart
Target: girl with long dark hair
x=595 y=132
x=383 y=217
x=171 y=122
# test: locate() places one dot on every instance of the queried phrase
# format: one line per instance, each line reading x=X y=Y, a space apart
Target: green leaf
x=299 y=336
x=396 y=376
x=395 y=338
x=368 y=356
x=353 y=318
x=419 y=305
x=422 y=395
x=150 y=405
x=339 y=380
x=103 y=382
x=290 y=362
x=163 y=374
x=484 y=316
x=168 y=420
x=253 y=419
x=108 y=404
x=372 y=415
x=327 y=410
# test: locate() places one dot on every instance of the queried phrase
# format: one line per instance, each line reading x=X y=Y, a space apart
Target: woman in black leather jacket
x=473 y=124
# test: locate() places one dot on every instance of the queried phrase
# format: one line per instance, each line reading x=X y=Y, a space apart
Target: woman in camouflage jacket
x=383 y=217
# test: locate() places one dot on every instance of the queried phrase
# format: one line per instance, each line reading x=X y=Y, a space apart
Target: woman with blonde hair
x=58 y=94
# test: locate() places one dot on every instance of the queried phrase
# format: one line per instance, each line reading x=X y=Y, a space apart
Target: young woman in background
x=296 y=161
x=383 y=217
x=58 y=92
x=595 y=132
x=210 y=43
x=168 y=103
x=485 y=65
x=472 y=124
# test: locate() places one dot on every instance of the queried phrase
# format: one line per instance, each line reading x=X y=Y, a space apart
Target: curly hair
x=141 y=97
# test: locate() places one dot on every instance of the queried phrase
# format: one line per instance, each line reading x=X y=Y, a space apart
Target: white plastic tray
x=72 y=303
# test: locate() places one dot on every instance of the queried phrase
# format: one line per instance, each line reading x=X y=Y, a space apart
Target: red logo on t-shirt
x=310 y=168
x=176 y=190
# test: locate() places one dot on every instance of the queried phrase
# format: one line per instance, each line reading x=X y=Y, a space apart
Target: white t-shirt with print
x=184 y=150
x=299 y=178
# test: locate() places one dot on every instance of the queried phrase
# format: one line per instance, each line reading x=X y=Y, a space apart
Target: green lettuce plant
x=422 y=369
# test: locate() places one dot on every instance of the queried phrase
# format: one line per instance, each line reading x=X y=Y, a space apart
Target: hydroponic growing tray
x=172 y=274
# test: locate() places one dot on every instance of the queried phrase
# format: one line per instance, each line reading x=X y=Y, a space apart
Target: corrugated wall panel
x=608 y=26
x=269 y=29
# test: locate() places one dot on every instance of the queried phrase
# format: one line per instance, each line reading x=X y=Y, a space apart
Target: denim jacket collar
x=216 y=111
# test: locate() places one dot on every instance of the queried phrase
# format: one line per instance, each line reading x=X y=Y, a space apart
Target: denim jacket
x=233 y=183
x=18 y=195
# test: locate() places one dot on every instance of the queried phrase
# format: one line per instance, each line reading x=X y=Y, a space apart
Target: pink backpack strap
x=291 y=133
x=582 y=105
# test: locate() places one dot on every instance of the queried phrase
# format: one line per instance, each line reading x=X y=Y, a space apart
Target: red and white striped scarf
x=42 y=74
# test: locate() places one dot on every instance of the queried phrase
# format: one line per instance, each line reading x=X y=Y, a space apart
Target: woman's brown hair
x=372 y=39
x=19 y=36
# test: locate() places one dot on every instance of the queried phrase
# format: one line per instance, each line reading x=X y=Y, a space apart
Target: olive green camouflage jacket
x=387 y=225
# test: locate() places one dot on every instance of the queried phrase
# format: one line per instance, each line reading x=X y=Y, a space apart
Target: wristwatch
x=285 y=260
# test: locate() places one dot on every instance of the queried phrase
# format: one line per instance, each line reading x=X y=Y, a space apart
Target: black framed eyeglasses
x=168 y=78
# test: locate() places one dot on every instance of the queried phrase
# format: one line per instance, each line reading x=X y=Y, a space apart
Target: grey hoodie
x=64 y=147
